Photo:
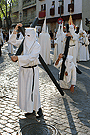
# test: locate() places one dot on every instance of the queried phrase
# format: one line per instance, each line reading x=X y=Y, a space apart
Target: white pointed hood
x=58 y=32
x=71 y=29
x=47 y=29
x=44 y=26
x=30 y=37
x=81 y=28
x=62 y=28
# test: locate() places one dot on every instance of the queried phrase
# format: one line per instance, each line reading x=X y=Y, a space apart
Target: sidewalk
x=67 y=115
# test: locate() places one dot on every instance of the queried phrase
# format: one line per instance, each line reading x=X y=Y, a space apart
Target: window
x=62 y=2
x=43 y=7
x=25 y=13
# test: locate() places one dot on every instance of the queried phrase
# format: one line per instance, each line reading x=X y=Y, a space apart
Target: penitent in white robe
x=59 y=45
x=72 y=49
x=10 y=46
x=25 y=81
x=83 y=49
x=44 y=40
x=70 y=79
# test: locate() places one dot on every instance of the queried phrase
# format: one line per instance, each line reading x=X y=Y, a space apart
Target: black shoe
x=29 y=114
x=39 y=113
x=78 y=71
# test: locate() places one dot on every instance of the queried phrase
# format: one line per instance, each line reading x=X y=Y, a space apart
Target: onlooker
x=7 y=37
x=89 y=40
x=89 y=36
x=1 y=43
x=52 y=39
x=53 y=4
x=51 y=34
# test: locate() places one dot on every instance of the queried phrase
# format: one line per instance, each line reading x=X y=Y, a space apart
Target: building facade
x=26 y=10
x=51 y=9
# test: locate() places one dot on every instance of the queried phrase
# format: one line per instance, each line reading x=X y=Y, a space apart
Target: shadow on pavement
x=1 y=59
x=33 y=126
x=81 y=95
x=53 y=69
x=70 y=118
x=81 y=102
x=1 y=63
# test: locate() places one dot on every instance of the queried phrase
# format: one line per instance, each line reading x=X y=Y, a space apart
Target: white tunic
x=77 y=46
x=25 y=81
x=72 y=48
x=83 y=49
x=44 y=40
x=70 y=79
x=10 y=46
x=59 y=45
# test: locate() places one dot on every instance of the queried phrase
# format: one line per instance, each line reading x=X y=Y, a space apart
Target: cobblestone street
x=65 y=115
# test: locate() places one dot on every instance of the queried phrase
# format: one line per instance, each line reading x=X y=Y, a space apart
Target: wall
x=86 y=12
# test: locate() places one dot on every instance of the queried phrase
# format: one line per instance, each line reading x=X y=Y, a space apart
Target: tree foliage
x=5 y=10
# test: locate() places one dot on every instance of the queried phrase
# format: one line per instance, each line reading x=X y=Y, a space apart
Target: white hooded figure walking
x=69 y=80
x=44 y=40
x=72 y=44
x=10 y=46
x=28 y=98
x=83 y=54
x=59 y=42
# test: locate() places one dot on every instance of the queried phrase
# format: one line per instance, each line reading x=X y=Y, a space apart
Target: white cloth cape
x=44 y=40
x=25 y=80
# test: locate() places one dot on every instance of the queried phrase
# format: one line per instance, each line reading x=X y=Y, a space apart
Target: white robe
x=59 y=46
x=77 y=46
x=71 y=70
x=83 y=49
x=44 y=40
x=72 y=49
x=25 y=80
x=10 y=46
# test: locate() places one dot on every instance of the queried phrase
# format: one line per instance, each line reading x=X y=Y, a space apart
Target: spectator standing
x=52 y=39
x=1 y=43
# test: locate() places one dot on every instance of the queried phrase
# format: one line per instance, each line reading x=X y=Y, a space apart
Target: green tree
x=5 y=11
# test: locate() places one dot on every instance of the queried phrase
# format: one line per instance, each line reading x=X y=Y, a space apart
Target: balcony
x=52 y=11
x=70 y=7
x=62 y=9
x=42 y=14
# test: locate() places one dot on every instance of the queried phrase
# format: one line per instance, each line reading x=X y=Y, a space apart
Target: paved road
x=67 y=115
